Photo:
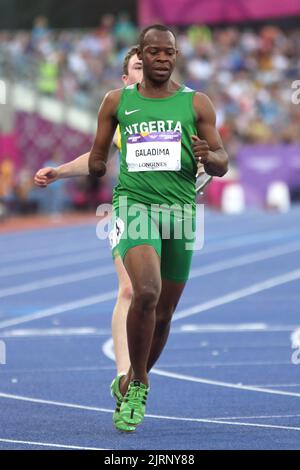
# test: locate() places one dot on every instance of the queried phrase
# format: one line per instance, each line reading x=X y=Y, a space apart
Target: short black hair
x=133 y=51
x=157 y=27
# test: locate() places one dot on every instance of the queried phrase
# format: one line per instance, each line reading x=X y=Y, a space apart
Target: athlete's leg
x=175 y=266
x=170 y=294
x=119 y=317
x=143 y=266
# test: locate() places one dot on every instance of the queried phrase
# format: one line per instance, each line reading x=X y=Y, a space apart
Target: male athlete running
x=132 y=73
x=160 y=122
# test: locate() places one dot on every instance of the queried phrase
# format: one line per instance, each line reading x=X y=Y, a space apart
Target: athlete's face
x=159 y=55
x=135 y=71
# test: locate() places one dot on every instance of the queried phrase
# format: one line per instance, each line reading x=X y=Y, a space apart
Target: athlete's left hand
x=200 y=149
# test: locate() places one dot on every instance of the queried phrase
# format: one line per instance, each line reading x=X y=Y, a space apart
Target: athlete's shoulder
x=203 y=104
x=113 y=96
x=200 y=97
x=111 y=101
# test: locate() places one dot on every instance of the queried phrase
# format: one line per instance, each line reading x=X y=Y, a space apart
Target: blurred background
x=58 y=59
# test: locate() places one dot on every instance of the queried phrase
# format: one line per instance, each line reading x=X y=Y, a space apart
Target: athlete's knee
x=146 y=297
x=125 y=292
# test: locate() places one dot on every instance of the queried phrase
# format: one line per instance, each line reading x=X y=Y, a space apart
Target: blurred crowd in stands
x=246 y=72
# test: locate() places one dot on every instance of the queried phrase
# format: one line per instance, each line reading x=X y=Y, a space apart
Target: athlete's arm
x=107 y=123
x=77 y=167
x=207 y=146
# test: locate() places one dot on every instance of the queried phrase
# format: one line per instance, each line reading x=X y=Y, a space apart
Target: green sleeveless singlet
x=157 y=163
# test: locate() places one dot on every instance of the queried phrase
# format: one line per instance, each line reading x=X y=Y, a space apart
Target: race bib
x=116 y=233
x=156 y=151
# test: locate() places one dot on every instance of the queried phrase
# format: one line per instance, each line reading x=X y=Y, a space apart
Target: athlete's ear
x=125 y=79
x=139 y=53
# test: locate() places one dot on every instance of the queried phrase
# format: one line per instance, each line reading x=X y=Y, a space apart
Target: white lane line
x=36 y=332
x=228 y=328
x=227 y=364
x=238 y=294
x=245 y=260
x=57 y=281
x=109 y=269
x=295 y=338
x=46 y=370
x=59 y=309
x=184 y=329
x=108 y=351
x=258 y=417
x=219 y=244
x=52 y=264
x=275 y=385
x=49 y=444
x=232 y=296
x=175 y=366
x=54 y=403
x=46 y=252
x=222 y=245
x=172 y=418
x=219 y=383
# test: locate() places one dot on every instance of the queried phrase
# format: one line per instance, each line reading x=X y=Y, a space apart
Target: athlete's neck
x=151 y=89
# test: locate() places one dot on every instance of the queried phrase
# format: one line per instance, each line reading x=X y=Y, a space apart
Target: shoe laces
x=136 y=394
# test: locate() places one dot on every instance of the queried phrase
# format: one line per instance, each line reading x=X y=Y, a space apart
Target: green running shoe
x=133 y=405
x=117 y=395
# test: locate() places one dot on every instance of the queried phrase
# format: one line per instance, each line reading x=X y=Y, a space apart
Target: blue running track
x=228 y=378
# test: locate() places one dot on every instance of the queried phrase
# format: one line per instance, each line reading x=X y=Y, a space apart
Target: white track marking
x=222 y=328
x=163 y=366
x=184 y=329
x=231 y=297
x=54 y=403
x=107 y=349
x=109 y=269
x=274 y=385
x=238 y=294
x=295 y=338
x=57 y=281
x=219 y=383
x=49 y=444
x=36 y=332
x=258 y=417
x=232 y=328
x=52 y=264
x=56 y=369
x=46 y=252
x=228 y=364
x=219 y=244
x=172 y=418
x=230 y=423
x=245 y=260
x=59 y=309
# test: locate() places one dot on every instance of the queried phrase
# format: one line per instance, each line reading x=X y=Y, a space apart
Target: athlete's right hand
x=45 y=176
